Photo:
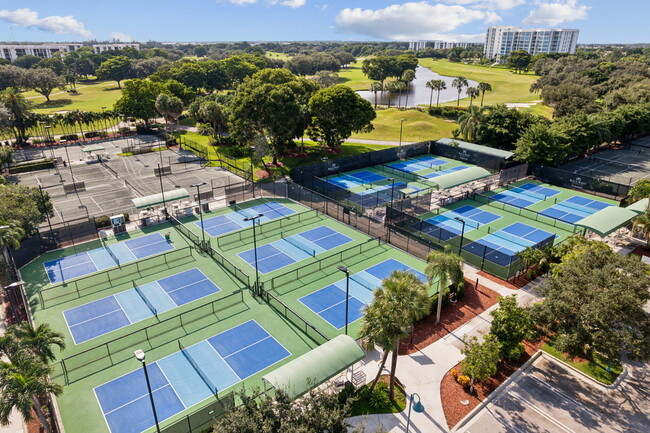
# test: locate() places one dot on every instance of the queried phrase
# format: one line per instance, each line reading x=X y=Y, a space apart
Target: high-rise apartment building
x=44 y=51
x=439 y=45
x=500 y=41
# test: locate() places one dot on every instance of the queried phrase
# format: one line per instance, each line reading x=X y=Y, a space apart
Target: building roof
x=497 y=153
x=156 y=199
x=459 y=177
x=607 y=220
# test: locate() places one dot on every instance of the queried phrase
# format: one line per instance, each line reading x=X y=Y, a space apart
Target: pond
x=418 y=93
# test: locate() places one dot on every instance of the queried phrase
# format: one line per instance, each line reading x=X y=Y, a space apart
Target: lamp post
x=401 y=126
x=67 y=155
x=462 y=234
x=139 y=355
x=347 y=293
x=392 y=192
x=162 y=192
x=257 y=273
x=417 y=407
x=198 y=194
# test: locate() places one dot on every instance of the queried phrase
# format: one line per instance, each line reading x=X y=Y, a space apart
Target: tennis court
x=222 y=224
x=574 y=209
x=359 y=178
x=87 y=262
x=379 y=195
x=414 y=165
x=445 y=171
x=447 y=225
x=329 y=302
x=501 y=247
x=188 y=377
x=122 y=309
x=525 y=195
x=294 y=248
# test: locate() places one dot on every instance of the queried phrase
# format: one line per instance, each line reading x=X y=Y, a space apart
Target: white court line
x=517 y=396
x=101 y=315
x=565 y=397
x=222 y=358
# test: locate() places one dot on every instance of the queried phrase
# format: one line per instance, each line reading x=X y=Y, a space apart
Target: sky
x=599 y=21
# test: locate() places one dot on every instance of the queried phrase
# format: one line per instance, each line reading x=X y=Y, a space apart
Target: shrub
x=464 y=381
x=31 y=166
x=43 y=141
x=124 y=129
x=144 y=129
x=94 y=134
x=435 y=111
x=69 y=137
x=379 y=397
x=104 y=220
x=454 y=373
x=515 y=353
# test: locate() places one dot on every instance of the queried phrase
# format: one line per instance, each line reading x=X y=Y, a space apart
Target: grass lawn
x=596 y=368
x=274 y=55
x=354 y=78
x=418 y=126
x=506 y=86
x=92 y=96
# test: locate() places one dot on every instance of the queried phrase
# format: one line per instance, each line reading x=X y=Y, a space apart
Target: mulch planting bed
x=513 y=284
x=426 y=332
x=452 y=393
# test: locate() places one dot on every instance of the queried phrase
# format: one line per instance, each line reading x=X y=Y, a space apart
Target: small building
x=100 y=48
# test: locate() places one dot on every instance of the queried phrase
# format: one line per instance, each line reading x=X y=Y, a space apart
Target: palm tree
x=399 y=302
x=391 y=88
x=472 y=92
x=22 y=382
x=459 y=83
x=529 y=258
x=399 y=87
x=641 y=225
x=37 y=341
x=446 y=269
x=484 y=87
x=407 y=77
x=438 y=85
x=469 y=121
x=10 y=236
x=20 y=118
x=376 y=87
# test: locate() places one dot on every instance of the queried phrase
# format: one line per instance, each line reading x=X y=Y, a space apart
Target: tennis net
x=110 y=252
x=527 y=193
x=627 y=165
x=146 y=300
x=296 y=243
x=577 y=207
x=211 y=386
x=455 y=217
x=514 y=239
x=363 y=282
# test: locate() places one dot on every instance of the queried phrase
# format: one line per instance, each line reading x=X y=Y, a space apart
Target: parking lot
x=549 y=397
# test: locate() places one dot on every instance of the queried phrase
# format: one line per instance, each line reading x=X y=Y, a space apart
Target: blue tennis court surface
x=225 y=359
x=525 y=195
x=445 y=226
x=329 y=302
x=358 y=178
x=292 y=249
x=417 y=164
x=222 y=224
x=122 y=309
x=379 y=195
x=81 y=264
x=445 y=171
x=574 y=209
x=501 y=247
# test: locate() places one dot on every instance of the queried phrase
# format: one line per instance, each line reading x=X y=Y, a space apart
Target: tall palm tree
x=22 y=382
x=376 y=87
x=438 y=85
x=459 y=83
x=469 y=121
x=472 y=92
x=399 y=302
x=484 y=87
x=37 y=341
x=392 y=88
x=641 y=225
x=446 y=269
x=20 y=117
x=407 y=77
x=374 y=333
x=10 y=236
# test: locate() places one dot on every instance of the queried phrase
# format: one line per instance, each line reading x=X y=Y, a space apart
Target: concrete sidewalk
x=422 y=372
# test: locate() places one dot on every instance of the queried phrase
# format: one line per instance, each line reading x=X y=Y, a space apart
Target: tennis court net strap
x=362 y=282
x=293 y=241
x=110 y=252
x=146 y=300
x=211 y=386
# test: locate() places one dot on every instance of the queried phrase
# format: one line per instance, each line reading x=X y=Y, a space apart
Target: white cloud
x=491 y=17
x=488 y=4
x=242 y=2
x=322 y=7
x=26 y=17
x=294 y=4
x=407 y=21
x=122 y=37
x=553 y=14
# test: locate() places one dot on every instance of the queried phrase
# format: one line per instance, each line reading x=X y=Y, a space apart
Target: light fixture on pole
x=198 y=194
x=347 y=293
x=257 y=273
x=139 y=355
x=162 y=192
x=392 y=192
x=462 y=234
x=401 y=126
x=417 y=407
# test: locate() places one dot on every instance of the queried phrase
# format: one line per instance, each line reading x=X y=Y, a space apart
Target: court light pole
x=257 y=273
x=198 y=194
x=401 y=127
x=162 y=191
x=347 y=293
x=462 y=234
x=418 y=407
x=139 y=355
x=392 y=192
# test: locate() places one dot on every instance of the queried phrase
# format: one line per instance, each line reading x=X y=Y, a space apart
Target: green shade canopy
x=607 y=220
x=155 y=199
x=459 y=177
x=640 y=206
x=316 y=366
x=497 y=153
x=95 y=148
